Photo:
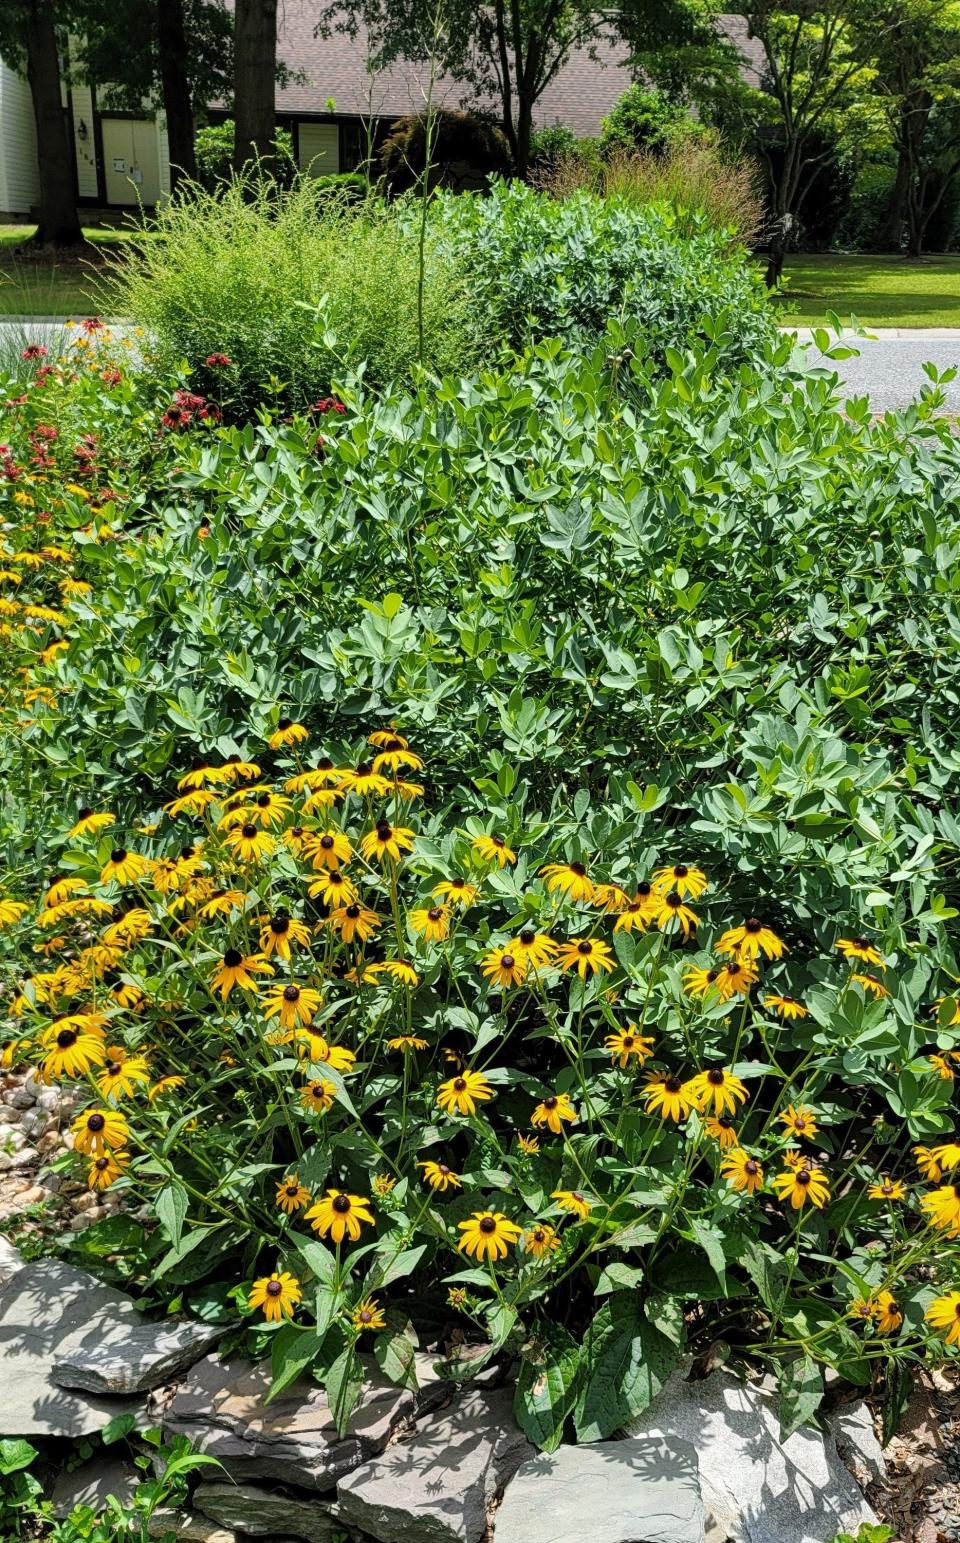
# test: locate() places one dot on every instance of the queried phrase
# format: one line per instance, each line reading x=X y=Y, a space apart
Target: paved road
x=889 y=367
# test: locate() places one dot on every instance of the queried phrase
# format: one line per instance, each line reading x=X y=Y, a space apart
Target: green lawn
x=31 y=288
x=879 y=291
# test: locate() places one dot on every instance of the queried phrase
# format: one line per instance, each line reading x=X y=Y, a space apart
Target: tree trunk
x=254 y=83
x=524 y=131
x=891 y=232
x=177 y=105
x=59 y=224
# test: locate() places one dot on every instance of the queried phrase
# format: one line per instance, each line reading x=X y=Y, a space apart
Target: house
x=327 y=103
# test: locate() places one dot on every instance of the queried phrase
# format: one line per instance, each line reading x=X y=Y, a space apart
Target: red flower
x=111 y=377
x=34 y=351
x=327 y=404
x=217 y=359
x=93 y=324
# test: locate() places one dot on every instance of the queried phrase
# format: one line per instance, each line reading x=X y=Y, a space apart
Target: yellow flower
x=398 y=969
x=574 y=1201
x=267 y=808
x=367 y=1315
x=276 y=1294
x=800 y=1122
x=493 y=849
x=947 y=1154
x=685 y=880
x=192 y=803
x=502 y=967
x=11 y=911
x=123 y=867
x=291 y=1195
x=928 y=1165
x=553 y=1111
x=699 y=979
x=236 y=969
x=287 y=733
x=97 y=1129
x=382 y=738
x=639 y=911
x=353 y=921
x=889 y=1316
x=406 y=1042
x=396 y=755
x=671 y=909
x=70 y=1051
x=341 y=1215
x=234 y=769
x=318 y=1096
x=627 y=1043
x=786 y=1007
x=537 y=948
x=432 y=923
x=455 y=892
x=751 y=939
x=88 y=823
x=313 y=1047
x=460 y=1095
x=870 y=983
x=667 y=1096
x=120 y=1073
x=334 y=888
x=165 y=1085
x=585 y=955
x=720 y=1128
x=541 y=1240
x=887 y=1189
x=944 y=1314
x=569 y=879
x=364 y=781
x=941 y=1066
x=859 y=948
x=798 y=1185
x=439 y=1176
x=387 y=840
x=742 y=1171
x=488 y=1235
x=736 y=977
x=279 y=932
x=249 y=843
x=942 y=1208
x=611 y=898
x=717 y=1091
x=106 y=1169
x=528 y=1145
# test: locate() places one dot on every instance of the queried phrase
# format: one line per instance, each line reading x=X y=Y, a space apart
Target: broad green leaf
x=801 y=1393
x=546 y=1386
x=625 y=1363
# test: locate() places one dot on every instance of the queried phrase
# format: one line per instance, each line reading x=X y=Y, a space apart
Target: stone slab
x=150 y=1355
x=262 y=1513
x=220 y=1407
x=93 y=1483
x=760 y=1488
x=637 y=1491
x=47 y=1312
x=851 y=1426
x=438 y=1486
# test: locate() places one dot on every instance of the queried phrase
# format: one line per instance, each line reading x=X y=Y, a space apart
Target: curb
x=867 y=334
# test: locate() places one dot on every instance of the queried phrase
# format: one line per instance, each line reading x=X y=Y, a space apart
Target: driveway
x=888 y=368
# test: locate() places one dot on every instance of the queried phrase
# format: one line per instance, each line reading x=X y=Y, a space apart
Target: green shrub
x=292 y=289
x=214 y=151
x=464 y=146
x=645 y=119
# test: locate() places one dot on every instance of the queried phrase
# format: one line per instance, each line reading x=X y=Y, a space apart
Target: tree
x=916 y=48
x=254 y=82
x=29 y=43
x=814 y=68
x=510 y=50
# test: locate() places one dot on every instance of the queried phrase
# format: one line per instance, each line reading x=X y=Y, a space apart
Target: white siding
x=319 y=148
x=19 y=177
x=86 y=151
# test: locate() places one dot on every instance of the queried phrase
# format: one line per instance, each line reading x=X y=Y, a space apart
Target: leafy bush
x=550 y=144
x=464 y=146
x=214 y=151
x=645 y=119
x=292 y=289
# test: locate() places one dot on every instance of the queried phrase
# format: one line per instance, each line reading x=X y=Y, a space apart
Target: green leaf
x=15 y=1453
x=619 y=1276
x=171 y=1207
x=402 y=1264
x=625 y=1362
x=319 y=1260
x=546 y=1386
x=395 y=1349
x=501 y=1320
x=291 y=1351
x=121 y=1425
x=801 y=1393
x=343 y=1383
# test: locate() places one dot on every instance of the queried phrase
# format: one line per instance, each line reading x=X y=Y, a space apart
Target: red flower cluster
x=327 y=404
x=186 y=406
x=40 y=439
x=35 y=351
x=8 y=466
x=85 y=453
x=111 y=377
x=214 y=360
x=93 y=324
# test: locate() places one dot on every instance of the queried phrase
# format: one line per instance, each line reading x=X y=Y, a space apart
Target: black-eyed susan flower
x=364 y=781
x=541 y=1240
x=200 y=774
x=249 y=843
x=626 y=1045
x=335 y=888
x=318 y=1096
x=927 y=1163
x=381 y=738
x=947 y=1155
x=236 y=769
x=353 y=921
x=330 y=850
x=61 y=890
x=455 y=892
x=439 y=1176
x=431 y=923
x=685 y=880
x=406 y=1043
x=387 y=841
x=280 y=932
x=801 y=1185
x=106 y=1169
x=889 y=1315
x=751 y=939
x=538 y=948
x=502 y=967
x=611 y=898
x=286 y=733
x=863 y=1310
x=716 y=1091
x=97 y=1129
x=944 y=1315
x=123 y=867
x=886 y=1188
x=574 y=1201
x=721 y=1128
x=870 y=984
x=221 y=903
x=487 y=1235
x=742 y=1171
x=120 y=1073
x=395 y=755
x=321 y=775
x=568 y=879
x=132 y=927
x=193 y=803
x=237 y=969
x=668 y=1096
x=89 y=822
x=323 y=798
x=859 y=948
x=461 y=1094
x=71 y=1052
x=529 y=1145
x=588 y=956
x=341 y=1215
x=786 y=1007
x=383 y=1185
x=268 y=809
x=553 y=1111
x=493 y=849
x=942 y=1209
x=672 y=915
x=368 y=1315
x=799 y=1121
x=700 y=979
x=165 y=1085
x=400 y=970
x=735 y=978
x=11 y=912
x=954 y=1000
x=292 y=1196
x=277 y=1295
x=941 y=1065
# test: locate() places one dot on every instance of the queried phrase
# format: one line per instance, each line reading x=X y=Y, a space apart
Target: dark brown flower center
x=751 y=1166
x=341 y=1204
x=274 y=1288
x=118 y=855
x=384 y=831
x=233 y=958
x=66 y=1038
x=292 y=1190
x=326 y=842
x=248 y=831
x=715 y=1078
x=627 y=1041
x=84 y=813
x=324 y=764
x=498 y=841
x=435 y=913
x=353 y=911
x=284 y=723
x=102 y=1163
x=366 y=1315
x=861 y=943
x=752 y=925
x=674 y=899
x=459 y=1084
x=578 y=869
x=95 y=1122
x=279 y=925
x=291 y=993
x=803 y=1177
x=488 y=1224
x=586 y=947
x=550 y=1103
x=672 y=1084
